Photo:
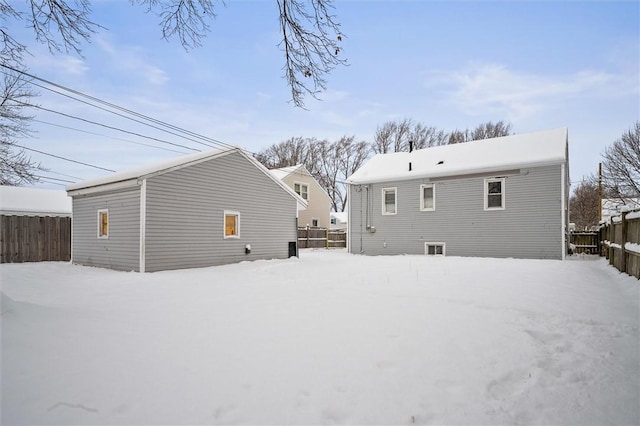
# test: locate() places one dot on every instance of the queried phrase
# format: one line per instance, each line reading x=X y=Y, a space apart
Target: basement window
x=103 y=223
x=434 y=249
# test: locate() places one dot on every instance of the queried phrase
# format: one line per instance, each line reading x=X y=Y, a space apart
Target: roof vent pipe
x=410 y=146
x=409 y=165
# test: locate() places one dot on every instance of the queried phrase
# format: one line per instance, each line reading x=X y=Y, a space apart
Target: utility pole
x=599 y=192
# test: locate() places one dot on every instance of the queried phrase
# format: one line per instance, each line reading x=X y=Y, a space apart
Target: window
x=434 y=249
x=302 y=190
x=314 y=222
x=389 y=201
x=494 y=194
x=231 y=224
x=334 y=221
x=103 y=223
x=427 y=197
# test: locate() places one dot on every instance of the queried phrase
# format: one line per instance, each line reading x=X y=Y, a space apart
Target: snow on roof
x=283 y=172
x=488 y=155
x=15 y=200
x=178 y=162
x=148 y=169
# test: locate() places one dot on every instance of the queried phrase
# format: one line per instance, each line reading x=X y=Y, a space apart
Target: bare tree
x=394 y=136
x=330 y=163
x=16 y=167
x=490 y=130
x=621 y=165
x=584 y=205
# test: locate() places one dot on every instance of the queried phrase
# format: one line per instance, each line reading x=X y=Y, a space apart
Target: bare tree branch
x=311 y=46
x=16 y=168
x=621 y=165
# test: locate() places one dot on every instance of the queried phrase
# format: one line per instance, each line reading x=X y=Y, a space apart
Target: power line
x=110 y=137
x=114 y=106
x=104 y=125
x=52 y=178
x=63 y=158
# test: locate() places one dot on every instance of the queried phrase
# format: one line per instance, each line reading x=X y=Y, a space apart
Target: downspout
x=143 y=224
x=565 y=230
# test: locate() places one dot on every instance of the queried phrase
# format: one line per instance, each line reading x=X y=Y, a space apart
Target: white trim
x=143 y=225
x=563 y=211
x=503 y=190
x=395 y=200
x=422 y=187
x=301 y=185
x=102 y=188
x=442 y=244
x=224 y=224
x=99 y=223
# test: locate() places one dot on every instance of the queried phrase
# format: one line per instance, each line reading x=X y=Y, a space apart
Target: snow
x=633 y=247
x=283 y=172
x=483 y=156
x=633 y=215
x=147 y=169
x=15 y=200
x=330 y=338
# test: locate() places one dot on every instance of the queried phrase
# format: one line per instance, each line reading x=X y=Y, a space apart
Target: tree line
x=332 y=162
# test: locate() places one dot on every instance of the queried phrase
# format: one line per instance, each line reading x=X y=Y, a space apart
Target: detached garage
x=204 y=209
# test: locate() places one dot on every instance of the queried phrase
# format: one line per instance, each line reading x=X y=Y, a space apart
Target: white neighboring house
x=307 y=187
x=339 y=221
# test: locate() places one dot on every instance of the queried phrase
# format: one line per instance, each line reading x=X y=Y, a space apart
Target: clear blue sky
x=452 y=65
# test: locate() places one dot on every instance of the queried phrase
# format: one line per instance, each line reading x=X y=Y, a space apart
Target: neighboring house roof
x=283 y=172
x=132 y=175
x=20 y=201
x=298 y=169
x=483 y=156
x=340 y=216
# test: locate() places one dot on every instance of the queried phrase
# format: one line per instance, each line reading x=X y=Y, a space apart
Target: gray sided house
x=204 y=209
x=501 y=197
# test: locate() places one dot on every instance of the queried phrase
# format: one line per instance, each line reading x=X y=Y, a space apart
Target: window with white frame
x=494 y=190
x=389 y=201
x=427 y=197
x=434 y=249
x=103 y=223
x=302 y=190
x=231 y=224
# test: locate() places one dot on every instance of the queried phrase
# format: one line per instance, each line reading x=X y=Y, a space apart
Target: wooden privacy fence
x=585 y=242
x=620 y=242
x=321 y=238
x=34 y=238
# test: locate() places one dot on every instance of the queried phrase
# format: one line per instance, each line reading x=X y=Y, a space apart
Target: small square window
x=231 y=224
x=389 y=201
x=494 y=192
x=314 y=222
x=434 y=249
x=427 y=197
x=103 y=223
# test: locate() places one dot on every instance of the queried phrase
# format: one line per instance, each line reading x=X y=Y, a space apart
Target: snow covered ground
x=329 y=338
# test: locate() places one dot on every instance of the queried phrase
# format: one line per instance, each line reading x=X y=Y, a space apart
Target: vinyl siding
x=120 y=250
x=185 y=215
x=530 y=226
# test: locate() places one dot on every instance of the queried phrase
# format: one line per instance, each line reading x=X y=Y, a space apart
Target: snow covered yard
x=329 y=338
